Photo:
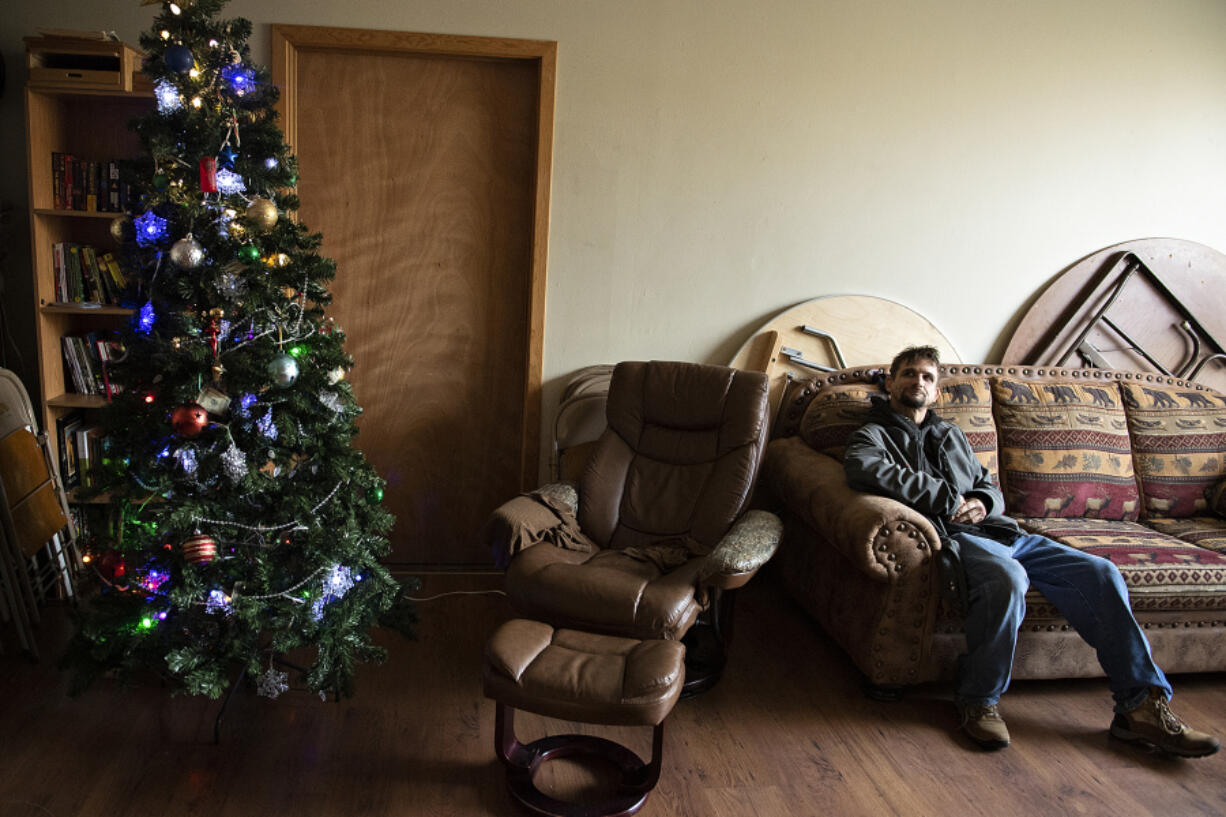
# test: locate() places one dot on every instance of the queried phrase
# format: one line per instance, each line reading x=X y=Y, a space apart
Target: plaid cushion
x=1179 y=445
x=834 y=413
x=1202 y=531
x=1162 y=572
x=1064 y=449
x=966 y=401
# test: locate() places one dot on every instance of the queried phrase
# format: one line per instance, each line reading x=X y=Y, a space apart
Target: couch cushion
x=1064 y=449
x=1179 y=445
x=1216 y=497
x=966 y=401
x=1202 y=531
x=1162 y=572
x=834 y=413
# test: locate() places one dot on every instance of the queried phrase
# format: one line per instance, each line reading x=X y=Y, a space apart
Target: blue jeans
x=1087 y=590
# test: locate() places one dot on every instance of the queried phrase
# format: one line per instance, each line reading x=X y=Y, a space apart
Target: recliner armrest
x=527 y=519
x=877 y=534
x=750 y=543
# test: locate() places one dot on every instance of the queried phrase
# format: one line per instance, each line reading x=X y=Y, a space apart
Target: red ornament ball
x=189 y=419
x=111 y=566
x=200 y=549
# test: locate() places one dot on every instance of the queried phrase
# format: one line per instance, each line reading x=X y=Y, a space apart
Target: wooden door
x=425 y=162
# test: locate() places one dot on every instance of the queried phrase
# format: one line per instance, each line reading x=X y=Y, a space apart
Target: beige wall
x=719 y=160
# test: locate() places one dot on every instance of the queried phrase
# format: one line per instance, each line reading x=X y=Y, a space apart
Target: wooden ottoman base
x=581 y=677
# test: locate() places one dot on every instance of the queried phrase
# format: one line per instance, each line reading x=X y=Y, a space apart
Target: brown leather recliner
x=657 y=529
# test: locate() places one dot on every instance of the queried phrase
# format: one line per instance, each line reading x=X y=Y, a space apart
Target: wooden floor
x=787 y=732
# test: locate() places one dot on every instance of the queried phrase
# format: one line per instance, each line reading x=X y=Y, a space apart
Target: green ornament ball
x=161 y=181
x=374 y=496
x=249 y=253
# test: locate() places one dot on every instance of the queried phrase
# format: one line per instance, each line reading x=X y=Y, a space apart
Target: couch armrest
x=750 y=543
x=528 y=519
x=876 y=534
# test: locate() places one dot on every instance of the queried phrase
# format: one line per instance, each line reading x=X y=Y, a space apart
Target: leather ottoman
x=586 y=677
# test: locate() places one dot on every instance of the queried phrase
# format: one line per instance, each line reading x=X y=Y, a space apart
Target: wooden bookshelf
x=85 y=114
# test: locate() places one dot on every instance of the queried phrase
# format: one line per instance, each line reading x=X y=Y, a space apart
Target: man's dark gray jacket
x=927 y=467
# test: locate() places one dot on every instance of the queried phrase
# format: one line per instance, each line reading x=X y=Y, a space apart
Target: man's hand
x=970 y=512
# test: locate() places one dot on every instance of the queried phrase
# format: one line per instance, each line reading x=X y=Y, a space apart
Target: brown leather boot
x=984 y=725
x=1154 y=723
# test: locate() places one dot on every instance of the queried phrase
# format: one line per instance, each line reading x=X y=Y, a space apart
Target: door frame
x=289 y=40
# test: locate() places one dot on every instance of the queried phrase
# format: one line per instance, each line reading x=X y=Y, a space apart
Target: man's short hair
x=911 y=353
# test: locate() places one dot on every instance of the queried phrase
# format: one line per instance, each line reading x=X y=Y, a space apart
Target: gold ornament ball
x=262 y=214
x=122 y=229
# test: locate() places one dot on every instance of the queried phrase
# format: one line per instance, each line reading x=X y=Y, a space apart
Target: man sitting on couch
x=907 y=453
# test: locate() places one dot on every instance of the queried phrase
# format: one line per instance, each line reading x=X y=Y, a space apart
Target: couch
x=1128 y=465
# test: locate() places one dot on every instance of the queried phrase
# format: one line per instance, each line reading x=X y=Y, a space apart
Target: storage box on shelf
x=74 y=62
x=80 y=97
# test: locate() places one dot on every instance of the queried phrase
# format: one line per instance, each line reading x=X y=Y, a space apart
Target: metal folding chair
x=38 y=549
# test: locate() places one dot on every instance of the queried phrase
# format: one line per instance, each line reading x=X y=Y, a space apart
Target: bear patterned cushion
x=1162 y=573
x=834 y=414
x=1064 y=450
x=1178 y=436
x=1202 y=531
x=967 y=403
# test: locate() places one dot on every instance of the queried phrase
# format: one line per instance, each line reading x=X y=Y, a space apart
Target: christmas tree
x=243 y=523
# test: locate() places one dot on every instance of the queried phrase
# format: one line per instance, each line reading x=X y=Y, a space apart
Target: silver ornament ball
x=187 y=253
x=283 y=370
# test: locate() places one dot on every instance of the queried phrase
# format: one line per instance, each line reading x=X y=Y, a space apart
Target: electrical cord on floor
x=457 y=593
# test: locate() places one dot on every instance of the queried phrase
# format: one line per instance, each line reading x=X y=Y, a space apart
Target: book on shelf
x=66 y=442
x=108 y=350
x=76 y=280
x=72 y=366
x=114 y=202
x=58 y=185
x=58 y=269
x=93 y=366
x=119 y=281
x=91 y=441
x=75 y=194
x=91 y=186
x=97 y=284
